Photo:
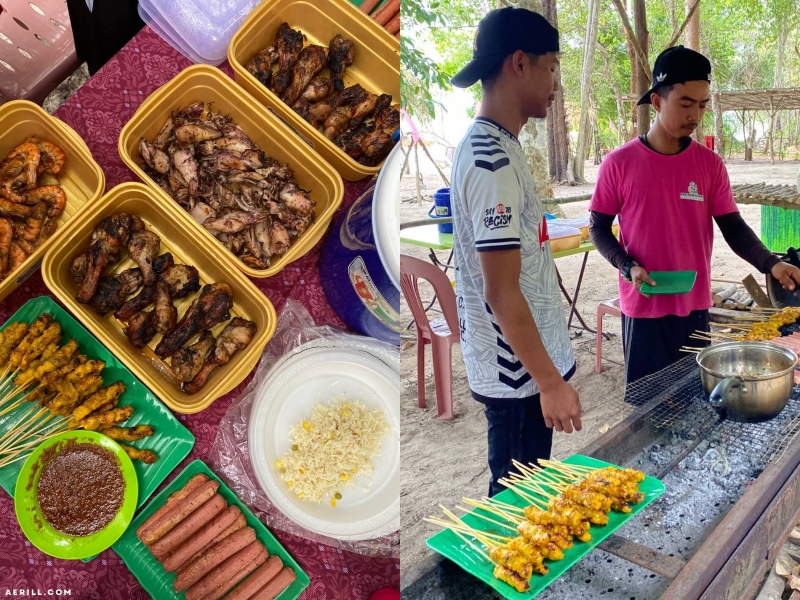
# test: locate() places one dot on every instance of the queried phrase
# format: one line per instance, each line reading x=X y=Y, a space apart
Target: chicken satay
x=12 y=335
x=28 y=376
x=508 y=576
x=88 y=368
x=530 y=552
x=512 y=560
x=51 y=379
x=98 y=399
x=148 y=457
x=545 y=542
x=107 y=419
x=129 y=434
x=58 y=360
x=70 y=394
x=51 y=334
x=34 y=331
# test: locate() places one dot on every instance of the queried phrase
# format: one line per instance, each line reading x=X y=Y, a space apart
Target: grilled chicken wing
x=187 y=362
x=310 y=62
x=340 y=57
x=182 y=280
x=378 y=143
x=141 y=329
x=237 y=335
x=261 y=65
x=208 y=310
x=289 y=44
x=143 y=247
x=113 y=289
x=353 y=105
x=317 y=89
x=165 y=315
x=235 y=221
x=110 y=235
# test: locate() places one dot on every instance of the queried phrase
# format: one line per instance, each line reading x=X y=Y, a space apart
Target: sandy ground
x=443 y=461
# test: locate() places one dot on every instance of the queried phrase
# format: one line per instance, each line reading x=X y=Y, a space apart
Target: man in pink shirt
x=668 y=191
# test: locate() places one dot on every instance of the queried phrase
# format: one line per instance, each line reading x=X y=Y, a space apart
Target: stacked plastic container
x=198 y=29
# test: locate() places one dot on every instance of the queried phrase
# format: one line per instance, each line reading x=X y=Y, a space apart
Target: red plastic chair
x=441 y=334
x=37 y=51
x=607 y=307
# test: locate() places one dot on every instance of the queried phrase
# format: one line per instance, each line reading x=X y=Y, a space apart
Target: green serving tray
x=152 y=575
x=670 y=282
x=171 y=441
x=448 y=544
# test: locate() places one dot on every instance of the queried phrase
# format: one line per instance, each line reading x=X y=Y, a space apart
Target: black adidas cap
x=677 y=65
x=501 y=32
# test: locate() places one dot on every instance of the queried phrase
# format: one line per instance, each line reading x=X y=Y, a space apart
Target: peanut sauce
x=80 y=489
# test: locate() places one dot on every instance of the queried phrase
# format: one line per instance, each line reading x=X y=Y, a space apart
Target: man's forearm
x=602 y=236
x=513 y=315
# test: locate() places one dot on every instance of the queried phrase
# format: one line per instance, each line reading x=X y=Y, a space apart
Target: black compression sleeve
x=744 y=242
x=603 y=239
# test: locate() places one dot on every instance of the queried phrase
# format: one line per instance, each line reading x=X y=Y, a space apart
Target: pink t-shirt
x=665 y=205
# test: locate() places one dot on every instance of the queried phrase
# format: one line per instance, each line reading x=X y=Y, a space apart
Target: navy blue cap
x=501 y=32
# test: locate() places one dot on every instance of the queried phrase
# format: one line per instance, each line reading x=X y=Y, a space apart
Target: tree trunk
x=642 y=83
x=557 y=130
x=693 y=42
x=719 y=130
x=622 y=134
x=777 y=82
x=533 y=137
x=584 y=126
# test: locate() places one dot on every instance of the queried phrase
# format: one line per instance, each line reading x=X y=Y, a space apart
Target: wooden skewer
x=512 y=486
x=504 y=505
x=473 y=546
x=491 y=508
x=566 y=466
x=455 y=518
x=485 y=518
x=484 y=537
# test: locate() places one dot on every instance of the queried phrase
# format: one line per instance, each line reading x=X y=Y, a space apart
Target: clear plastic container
x=563 y=237
x=200 y=30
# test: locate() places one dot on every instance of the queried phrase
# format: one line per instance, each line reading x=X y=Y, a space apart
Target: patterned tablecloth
x=98 y=111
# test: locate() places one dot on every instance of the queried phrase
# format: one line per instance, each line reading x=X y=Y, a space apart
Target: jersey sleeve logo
x=543 y=235
x=497 y=217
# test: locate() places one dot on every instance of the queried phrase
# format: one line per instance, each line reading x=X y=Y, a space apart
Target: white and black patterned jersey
x=495 y=206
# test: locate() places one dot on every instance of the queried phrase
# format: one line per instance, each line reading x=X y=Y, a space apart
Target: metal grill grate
x=674 y=399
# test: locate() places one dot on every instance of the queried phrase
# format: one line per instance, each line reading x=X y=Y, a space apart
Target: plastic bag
x=230 y=457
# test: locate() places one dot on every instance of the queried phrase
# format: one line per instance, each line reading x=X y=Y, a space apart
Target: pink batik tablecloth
x=98 y=111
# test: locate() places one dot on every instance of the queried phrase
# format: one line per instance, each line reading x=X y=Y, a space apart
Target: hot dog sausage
x=190 y=486
x=183 y=508
x=254 y=564
x=224 y=571
x=239 y=523
x=188 y=527
x=257 y=580
x=202 y=538
x=195 y=571
x=276 y=586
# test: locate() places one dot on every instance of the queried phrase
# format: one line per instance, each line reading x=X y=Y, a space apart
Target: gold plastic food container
x=376 y=66
x=82 y=179
x=208 y=84
x=179 y=237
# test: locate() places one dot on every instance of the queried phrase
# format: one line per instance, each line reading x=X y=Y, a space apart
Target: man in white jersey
x=514 y=335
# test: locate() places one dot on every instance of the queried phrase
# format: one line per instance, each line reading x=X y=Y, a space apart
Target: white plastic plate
x=288 y=396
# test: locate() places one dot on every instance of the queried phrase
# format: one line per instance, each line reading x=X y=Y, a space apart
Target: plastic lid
x=200 y=30
x=386 y=214
x=164 y=35
x=561 y=231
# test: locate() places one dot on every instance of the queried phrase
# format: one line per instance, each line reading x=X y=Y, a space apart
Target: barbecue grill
x=733 y=496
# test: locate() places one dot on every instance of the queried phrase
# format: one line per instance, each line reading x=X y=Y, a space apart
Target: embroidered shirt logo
x=497 y=217
x=692 y=193
x=661 y=77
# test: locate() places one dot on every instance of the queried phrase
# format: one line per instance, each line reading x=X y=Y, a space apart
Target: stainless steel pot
x=748 y=381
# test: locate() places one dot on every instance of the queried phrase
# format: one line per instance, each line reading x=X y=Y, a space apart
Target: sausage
x=239 y=523
x=276 y=586
x=181 y=510
x=196 y=570
x=201 y=539
x=188 y=527
x=257 y=580
x=224 y=571
x=368 y=6
x=190 y=486
x=385 y=14
x=254 y=564
x=393 y=26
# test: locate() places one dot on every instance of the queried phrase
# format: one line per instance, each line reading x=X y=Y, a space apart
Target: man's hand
x=787 y=274
x=639 y=276
x=561 y=407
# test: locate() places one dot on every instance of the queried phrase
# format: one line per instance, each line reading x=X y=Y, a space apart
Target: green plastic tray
x=171 y=441
x=670 y=282
x=451 y=546
x=152 y=575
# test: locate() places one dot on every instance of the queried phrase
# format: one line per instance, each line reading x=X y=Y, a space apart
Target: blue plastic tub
x=441 y=209
x=360 y=261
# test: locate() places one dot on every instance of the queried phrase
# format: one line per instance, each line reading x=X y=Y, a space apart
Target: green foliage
x=739 y=36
